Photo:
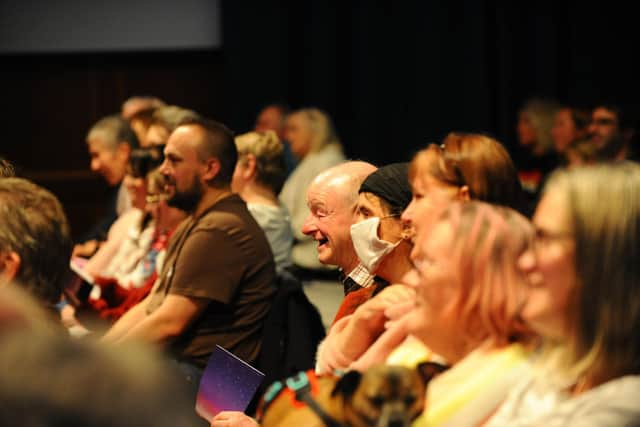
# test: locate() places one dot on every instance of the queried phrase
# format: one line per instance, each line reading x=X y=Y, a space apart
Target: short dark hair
x=218 y=142
x=144 y=160
x=33 y=225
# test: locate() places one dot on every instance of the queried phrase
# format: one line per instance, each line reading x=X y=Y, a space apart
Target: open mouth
x=323 y=241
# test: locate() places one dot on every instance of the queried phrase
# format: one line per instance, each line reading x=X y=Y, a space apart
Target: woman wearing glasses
x=584 y=301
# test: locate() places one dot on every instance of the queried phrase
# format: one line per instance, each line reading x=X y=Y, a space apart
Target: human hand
x=373 y=312
x=233 y=419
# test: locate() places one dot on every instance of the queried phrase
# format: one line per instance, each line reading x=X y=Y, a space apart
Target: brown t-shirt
x=222 y=256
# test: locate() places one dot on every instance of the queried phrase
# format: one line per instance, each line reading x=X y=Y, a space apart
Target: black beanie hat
x=390 y=183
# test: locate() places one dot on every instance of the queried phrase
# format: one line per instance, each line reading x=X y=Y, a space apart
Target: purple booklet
x=228 y=384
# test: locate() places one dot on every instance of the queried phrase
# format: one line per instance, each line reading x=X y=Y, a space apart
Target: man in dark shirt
x=218 y=276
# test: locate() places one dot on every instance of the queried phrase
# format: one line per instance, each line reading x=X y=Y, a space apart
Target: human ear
x=211 y=168
x=463 y=193
x=9 y=265
x=251 y=167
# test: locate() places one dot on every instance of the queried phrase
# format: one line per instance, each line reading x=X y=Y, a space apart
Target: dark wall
x=394 y=75
x=50 y=101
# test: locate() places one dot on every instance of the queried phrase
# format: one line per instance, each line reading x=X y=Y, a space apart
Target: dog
x=384 y=396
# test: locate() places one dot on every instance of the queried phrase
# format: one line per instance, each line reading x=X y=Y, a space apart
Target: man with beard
x=612 y=131
x=218 y=276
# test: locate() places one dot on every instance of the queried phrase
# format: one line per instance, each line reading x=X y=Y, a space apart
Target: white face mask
x=369 y=247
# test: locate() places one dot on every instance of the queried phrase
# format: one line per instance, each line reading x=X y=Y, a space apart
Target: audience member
x=140 y=123
x=583 y=301
x=383 y=243
x=130 y=235
x=258 y=178
x=314 y=142
x=218 y=277
x=35 y=242
x=469 y=293
x=110 y=142
x=164 y=121
x=130 y=280
x=569 y=125
x=535 y=157
x=332 y=200
x=6 y=169
x=273 y=117
x=463 y=167
x=612 y=130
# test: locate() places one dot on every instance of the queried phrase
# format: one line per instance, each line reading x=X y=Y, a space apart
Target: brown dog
x=384 y=396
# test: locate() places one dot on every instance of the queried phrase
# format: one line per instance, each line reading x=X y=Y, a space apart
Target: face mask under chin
x=368 y=246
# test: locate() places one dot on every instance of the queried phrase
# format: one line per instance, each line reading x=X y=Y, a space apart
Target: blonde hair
x=541 y=114
x=604 y=317
x=320 y=126
x=488 y=241
x=269 y=154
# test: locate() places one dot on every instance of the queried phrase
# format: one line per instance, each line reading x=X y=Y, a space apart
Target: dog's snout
x=398 y=420
x=394 y=418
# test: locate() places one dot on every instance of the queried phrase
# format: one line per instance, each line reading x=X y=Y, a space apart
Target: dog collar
x=303 y=385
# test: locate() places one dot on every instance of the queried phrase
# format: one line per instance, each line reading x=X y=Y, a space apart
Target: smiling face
x=550 y=268
x=137 y=190
x=436 y=283
x=109 y=162
x=429 y=196
x=332 y=211
x=182 y=169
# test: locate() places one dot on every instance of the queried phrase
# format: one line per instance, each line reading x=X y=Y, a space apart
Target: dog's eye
x=409 y=400
x=377 y=400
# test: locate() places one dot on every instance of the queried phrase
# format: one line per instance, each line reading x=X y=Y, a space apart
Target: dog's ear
x=348 y=384
x=428 y=370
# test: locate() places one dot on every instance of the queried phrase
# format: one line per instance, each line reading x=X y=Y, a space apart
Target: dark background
x=393 y=75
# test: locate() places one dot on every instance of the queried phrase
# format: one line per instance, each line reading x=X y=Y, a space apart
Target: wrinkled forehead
x=333 y=192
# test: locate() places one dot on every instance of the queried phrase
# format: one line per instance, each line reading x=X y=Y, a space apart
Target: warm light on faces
x=137 y=190
x=183 y=169
x=434 y=278
x=550 y=268
x=369 y=206
x=329 y=222
x=429 y=195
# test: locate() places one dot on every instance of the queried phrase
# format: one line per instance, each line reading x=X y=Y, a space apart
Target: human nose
x=527 y=261
x=407 y=214
x=95 y=164
x=309 y=225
